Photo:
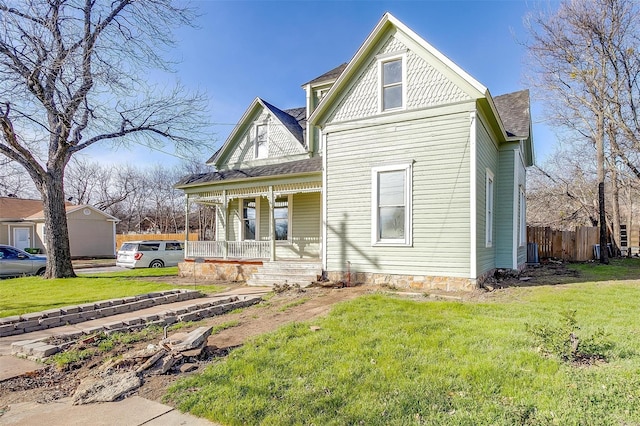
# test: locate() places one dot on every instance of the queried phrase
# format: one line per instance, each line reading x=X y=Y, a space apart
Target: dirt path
x=280 y=309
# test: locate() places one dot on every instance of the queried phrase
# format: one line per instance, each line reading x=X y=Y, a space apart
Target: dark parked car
x=15 y=262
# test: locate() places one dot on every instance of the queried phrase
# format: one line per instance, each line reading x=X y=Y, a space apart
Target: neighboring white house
x=401 y=169
x=91 y=231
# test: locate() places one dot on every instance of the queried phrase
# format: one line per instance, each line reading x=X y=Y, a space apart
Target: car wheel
x=40 y=271
x=156 y=264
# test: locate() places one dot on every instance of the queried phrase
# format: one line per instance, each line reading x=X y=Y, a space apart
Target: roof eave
x=388 y=21
x=247 y=179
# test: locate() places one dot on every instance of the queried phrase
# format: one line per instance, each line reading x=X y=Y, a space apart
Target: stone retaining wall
x=234 y=271
x=26 y=323
x=416 y=282
x=38 y=349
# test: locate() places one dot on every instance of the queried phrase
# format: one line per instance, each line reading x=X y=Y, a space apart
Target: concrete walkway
x=130 y=411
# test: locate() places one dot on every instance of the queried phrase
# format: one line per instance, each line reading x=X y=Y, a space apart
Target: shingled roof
x=290 y=122
x=18 y=208
x=513 y=109
x=329 y=75
x=294 y=119
x=308 y=165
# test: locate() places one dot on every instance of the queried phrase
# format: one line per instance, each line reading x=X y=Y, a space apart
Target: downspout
x=516 y=210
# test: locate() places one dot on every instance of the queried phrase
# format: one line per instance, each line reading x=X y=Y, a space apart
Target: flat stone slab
x=11 y=367
x=131 y=411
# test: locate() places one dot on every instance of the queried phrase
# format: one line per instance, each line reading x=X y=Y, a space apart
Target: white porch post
x=225 y=220
x=186 y=226
x=272 y=224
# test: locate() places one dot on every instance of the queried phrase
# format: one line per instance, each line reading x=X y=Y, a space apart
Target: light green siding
x=304 y=225
x=522 y=182
x=439 y=148
x=505 y=193
x=234 y=218
x=487 y=159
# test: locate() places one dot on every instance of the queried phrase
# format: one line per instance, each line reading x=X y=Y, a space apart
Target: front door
x=21 y=238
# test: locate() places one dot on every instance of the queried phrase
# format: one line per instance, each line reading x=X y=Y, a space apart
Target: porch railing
x=234 y=249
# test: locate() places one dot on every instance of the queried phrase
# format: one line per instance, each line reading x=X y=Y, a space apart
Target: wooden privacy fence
x=566 y=245
x=122 y=238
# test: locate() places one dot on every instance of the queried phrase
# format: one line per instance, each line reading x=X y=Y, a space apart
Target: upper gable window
x=261 y=144
x=392 y=83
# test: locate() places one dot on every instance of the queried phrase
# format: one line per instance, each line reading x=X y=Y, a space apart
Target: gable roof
x=387 y=24
x=70 y=208
x=18 y=208
x=329 y=75
x=287 y=120
x=308 y=165
x=291 y=122
x=514 y=112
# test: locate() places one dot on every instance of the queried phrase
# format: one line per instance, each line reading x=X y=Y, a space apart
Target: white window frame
x=375 y=225
x=490 y=189
x=382 y=59
x=289 y=216
x=266 y=141
x=242 y=219
x=522 y=234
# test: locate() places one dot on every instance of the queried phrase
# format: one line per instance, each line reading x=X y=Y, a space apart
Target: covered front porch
x=269 y=223
x=266 y=217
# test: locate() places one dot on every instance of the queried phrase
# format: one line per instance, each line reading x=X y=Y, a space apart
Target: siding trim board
x=473 y=214
x=515 y=211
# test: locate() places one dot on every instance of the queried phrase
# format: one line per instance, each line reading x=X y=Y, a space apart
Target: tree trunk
x=599 y=143
x=604 y=255
x=55 y=220
x=615 y=209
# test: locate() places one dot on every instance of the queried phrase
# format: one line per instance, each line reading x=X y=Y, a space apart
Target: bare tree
x=74 y=73
x=576 y=60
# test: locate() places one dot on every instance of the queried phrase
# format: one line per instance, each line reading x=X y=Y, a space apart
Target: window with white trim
x=522 y=237
x=249 y=219
x=281 y=218
x=489 y=190
x=261 y=144
x=391 y=205
x=392 y=83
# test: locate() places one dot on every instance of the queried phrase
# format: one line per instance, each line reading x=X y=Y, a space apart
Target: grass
x=33 y=294
x=294 y=304
x=380 y=360
x=617 y=269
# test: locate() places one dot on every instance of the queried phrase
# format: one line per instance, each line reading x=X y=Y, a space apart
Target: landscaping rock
x=106 y=389
x=188 y=367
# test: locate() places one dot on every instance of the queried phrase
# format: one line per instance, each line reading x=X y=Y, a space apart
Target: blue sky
x=244 y=49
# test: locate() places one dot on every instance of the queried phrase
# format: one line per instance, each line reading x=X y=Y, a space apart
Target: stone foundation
x=219 y=270
x=414 y=282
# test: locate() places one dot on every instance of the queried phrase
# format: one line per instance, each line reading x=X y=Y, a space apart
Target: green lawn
x=33 y=294
x=380 y=360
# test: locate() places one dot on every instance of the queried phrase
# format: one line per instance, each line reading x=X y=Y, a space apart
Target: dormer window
x=261 y=145
x=392 y=82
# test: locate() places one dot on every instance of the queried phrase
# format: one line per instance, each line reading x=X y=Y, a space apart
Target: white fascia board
x=387 y=21
x=257 y=101
x=435 y=52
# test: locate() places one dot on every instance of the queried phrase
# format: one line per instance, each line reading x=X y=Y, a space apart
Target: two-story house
x=401 y=169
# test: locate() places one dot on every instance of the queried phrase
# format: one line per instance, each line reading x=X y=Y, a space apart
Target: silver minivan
x=150 y=254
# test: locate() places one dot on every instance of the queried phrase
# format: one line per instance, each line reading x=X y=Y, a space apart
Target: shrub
x=564 y=340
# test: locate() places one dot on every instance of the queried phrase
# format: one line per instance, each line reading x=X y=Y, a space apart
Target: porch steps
x=303 y=273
